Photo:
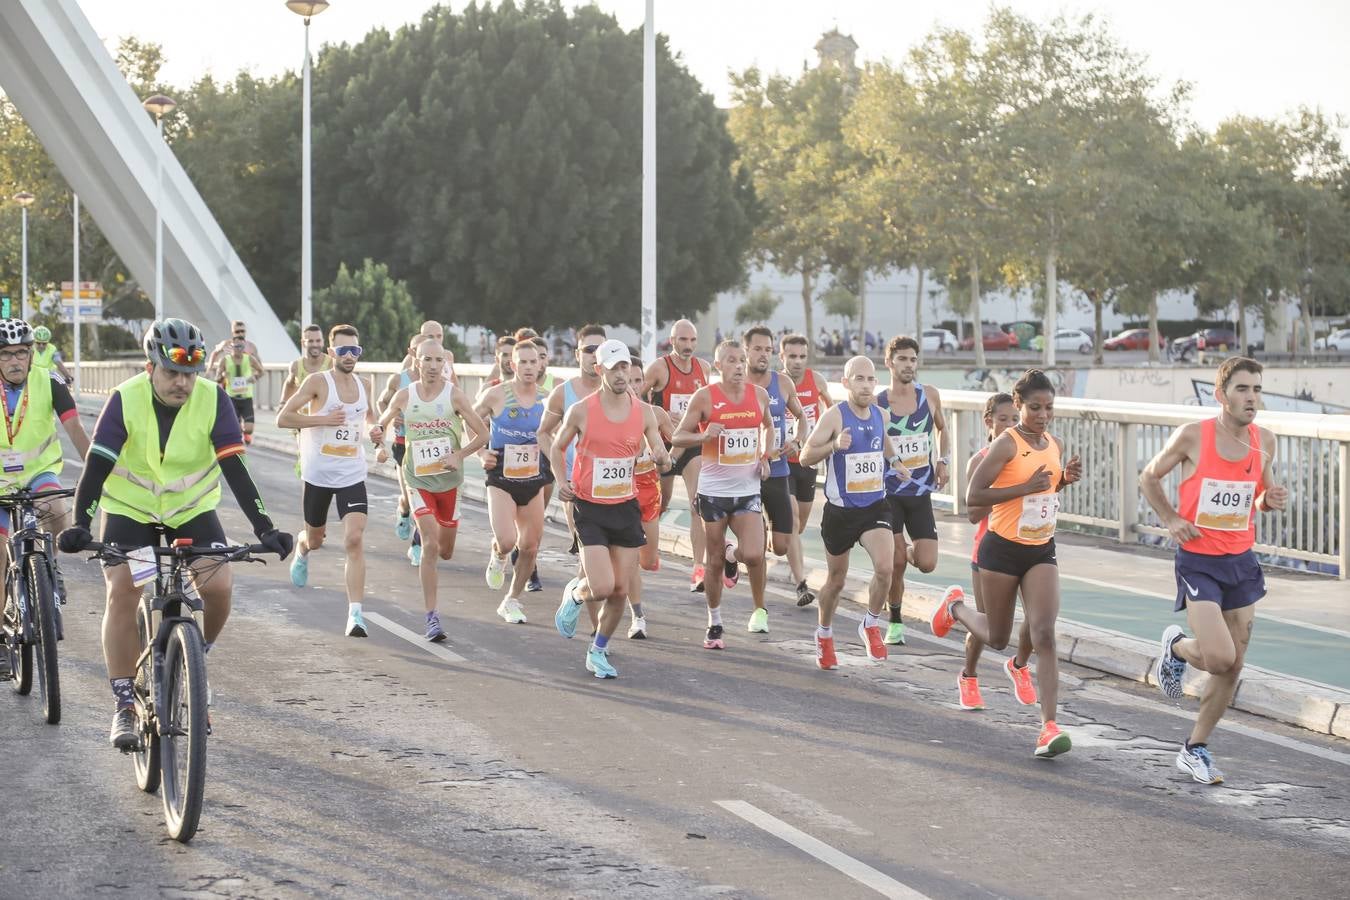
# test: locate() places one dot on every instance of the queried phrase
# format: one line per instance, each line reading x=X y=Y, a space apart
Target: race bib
x=645 y=463
x=240 y=383
x=342 y=441
x=520 y=461
x=429 y=455
x=1225 y=505
x=738 y=447
x=143 y=565
x=1037 y=522
x=914 y=450
x=678 y=404
x=11 y=461
x=612 y=479
x=863 y=472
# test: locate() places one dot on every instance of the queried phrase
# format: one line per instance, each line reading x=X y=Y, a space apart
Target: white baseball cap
x=611 y=353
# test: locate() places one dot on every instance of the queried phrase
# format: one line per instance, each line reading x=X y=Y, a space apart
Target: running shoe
x=969 y=691
x=597 y=662
x=299 y=570
x=759 y=622
x=534 y=586
x=943 y=620
x=435 y=633
x=731 y=569
x=1197 y=761
x=1052 y=741
x=1169 y=670
x=825 y=656
x=509 y=609
x=714 y=641
x=569 y=610
x=356 y=625
x=871 y=638
x=696 y=581
x=805 y=596
x=415 y=555
x=1023 y=689
x=895 y=633
x=638 y=630
x=496 y=570
x=403 y=526
x=123 y=735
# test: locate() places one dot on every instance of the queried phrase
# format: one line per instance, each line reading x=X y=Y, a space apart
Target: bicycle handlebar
x=18 y=498
x=240 y=553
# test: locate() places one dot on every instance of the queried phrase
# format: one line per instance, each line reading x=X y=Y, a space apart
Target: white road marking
x=860 y=872
x=414 y=638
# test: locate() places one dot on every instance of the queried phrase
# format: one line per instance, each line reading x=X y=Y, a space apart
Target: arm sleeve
x=110 y=432
x=97 y=468
x=227 y=436
x=246 y=492
x=63 y=404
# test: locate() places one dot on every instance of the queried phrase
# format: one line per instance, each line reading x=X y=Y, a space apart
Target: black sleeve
x=97 y=468
x=62 y=402
x=246 y=493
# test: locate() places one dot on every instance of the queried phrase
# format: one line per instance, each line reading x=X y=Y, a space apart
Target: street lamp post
x=649 y=184
x=25 y=200
x=158 y=105
x=307 y=9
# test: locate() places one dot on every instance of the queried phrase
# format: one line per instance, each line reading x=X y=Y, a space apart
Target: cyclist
x=163 y=441
x=45 y=354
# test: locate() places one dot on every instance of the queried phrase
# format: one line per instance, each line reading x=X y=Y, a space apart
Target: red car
x=994 y=339
x=1134 y=339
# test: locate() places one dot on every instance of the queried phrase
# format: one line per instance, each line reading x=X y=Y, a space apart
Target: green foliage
x=758 y=307
x=379 y=306
x=840 y=301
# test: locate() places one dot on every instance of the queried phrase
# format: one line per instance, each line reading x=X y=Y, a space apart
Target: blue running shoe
x=1169 y=670
x=597 y=662
x=403 y=527
x=435 y=633
x=299 y=570
x=356 y=625
x=415 y=555
x=533 y=586
x=569 y=610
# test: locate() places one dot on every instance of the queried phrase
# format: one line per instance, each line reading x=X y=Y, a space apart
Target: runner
x=312 y=360
x=773 y=491
x=501 y=366
x=516 y=476
x=436 y=331
x=647 y=479
x=435 y=414
x=403 y=525
x=46 y=356
x=1000 y=414
x=236 y=374
x=814 y=397
x=853 y=437
x=1020 y=479
x=238 y=329
x=913 y=410
x=732 y=424
x=609 y=427
x=670 y=383
x=333 y=463
x=1227 y=474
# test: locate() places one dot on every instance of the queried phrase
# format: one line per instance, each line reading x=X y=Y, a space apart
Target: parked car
x=938 y=340
x=1337 y=340
x=1134 y=339
x=1220 y=339
x=1067 y=339
x=993 y=338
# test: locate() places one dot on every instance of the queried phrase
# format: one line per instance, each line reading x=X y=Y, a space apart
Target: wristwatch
x=945 y=460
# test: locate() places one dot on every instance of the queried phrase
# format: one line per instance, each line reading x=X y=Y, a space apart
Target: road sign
x=87 y=311
x=89 y=290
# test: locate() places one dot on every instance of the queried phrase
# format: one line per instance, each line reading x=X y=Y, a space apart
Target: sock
x=895 y=613
x=715 y=616
x=431 y=614
x=822 y=632
x=207 y=645
x=637 y=610
x=871 y=619
x=353 y=609
x=801 y=584
x=601 y=642
x=964 y=674
x=515 y=555
x=121 y=688
x=1190 y=746
x=417 y=538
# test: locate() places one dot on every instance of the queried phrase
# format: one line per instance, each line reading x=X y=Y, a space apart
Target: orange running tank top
x=1220 y=495
x=606 y=457
x=1029 y=519
x=681 y=386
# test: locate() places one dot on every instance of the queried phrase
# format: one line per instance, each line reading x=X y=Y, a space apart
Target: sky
x=1249 y=57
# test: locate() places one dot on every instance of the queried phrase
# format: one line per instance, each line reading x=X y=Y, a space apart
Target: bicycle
x=169 y=686
x=30 y=626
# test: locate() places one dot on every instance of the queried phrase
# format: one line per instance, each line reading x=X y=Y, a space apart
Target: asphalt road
x=358 y=768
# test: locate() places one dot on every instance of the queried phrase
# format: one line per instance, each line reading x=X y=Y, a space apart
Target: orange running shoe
x=825 y=657
x=696 y=580
x=871 y=638
x=1023 y=689
x=943 y=620
x=970 y=692
x=1052 y=741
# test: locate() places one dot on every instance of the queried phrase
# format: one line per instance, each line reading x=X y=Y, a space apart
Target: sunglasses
x=181 y=356
x=348 y=350
x=590 y=348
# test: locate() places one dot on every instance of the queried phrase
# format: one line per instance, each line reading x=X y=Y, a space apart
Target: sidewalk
x=1116 y=600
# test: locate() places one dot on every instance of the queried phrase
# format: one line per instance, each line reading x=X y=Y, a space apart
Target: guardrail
x=1115 y=441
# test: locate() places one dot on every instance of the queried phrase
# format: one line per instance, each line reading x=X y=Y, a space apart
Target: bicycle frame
x=27 y=540
x=168 y=604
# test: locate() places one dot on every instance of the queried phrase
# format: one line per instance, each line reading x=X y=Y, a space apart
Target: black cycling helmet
x=15 y=331
x=176 y=344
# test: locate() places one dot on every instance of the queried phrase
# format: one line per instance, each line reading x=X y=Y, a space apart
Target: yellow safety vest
x=36 y=447
x=44 y=359
x=239 y=378
x=174 y=487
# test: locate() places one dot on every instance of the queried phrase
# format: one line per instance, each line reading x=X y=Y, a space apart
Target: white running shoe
x=496 y=570
x=638 y=630
x=510 y=610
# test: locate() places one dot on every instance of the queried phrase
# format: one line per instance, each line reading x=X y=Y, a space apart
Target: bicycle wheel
x=182 y=748
x=146 y=759
x=42 y=602
x=20 y=651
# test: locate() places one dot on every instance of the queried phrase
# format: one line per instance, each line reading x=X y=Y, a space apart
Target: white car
x=938 y=340
x=1073 y=339
x=1337 y=340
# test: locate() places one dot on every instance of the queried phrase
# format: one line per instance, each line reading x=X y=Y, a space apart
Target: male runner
x=436 y=331
x=671 y=382
x=853 y=436
x=731 y=424
x=814 y=396
x=647 y=480
x=913 y=411
x=501 y=367
x=1227 y=475
x=236 y=374
x=610 y=427
x=516 y=475
x=312 y=361
x=333 y=463
x=774 y=491
x=239 y=330
x=435 y=414
x=403 y=525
